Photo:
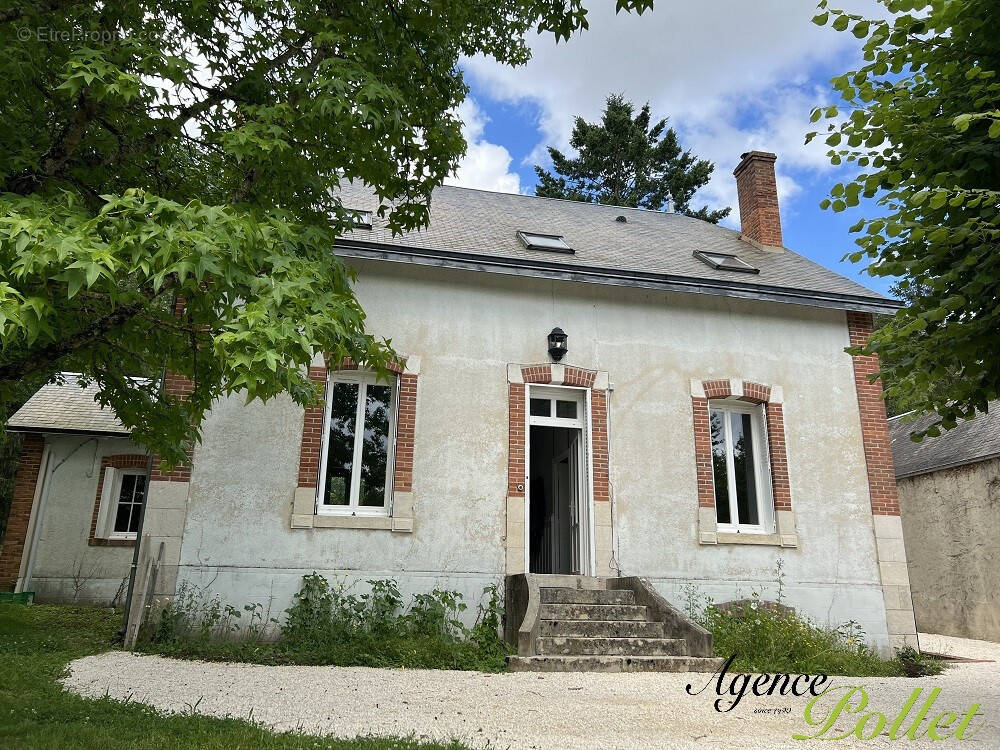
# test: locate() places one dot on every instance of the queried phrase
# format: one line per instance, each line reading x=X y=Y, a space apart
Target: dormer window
x=553 y=243
x=724 y=262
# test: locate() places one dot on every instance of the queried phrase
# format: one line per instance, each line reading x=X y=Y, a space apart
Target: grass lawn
x=37 y=642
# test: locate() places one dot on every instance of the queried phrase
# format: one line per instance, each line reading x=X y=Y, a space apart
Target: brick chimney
x=758 y=193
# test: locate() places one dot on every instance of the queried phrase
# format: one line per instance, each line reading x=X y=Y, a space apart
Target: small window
x=550 y=242
x=362 y=219
x=566 y=409
x=556 y=406
x=121 y=503
x=355 y=475
x=740 y=470
x=725 y=262
x=540 y=407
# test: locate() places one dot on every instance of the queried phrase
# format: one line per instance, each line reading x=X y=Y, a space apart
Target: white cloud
x=732 y=76
x=486 y=165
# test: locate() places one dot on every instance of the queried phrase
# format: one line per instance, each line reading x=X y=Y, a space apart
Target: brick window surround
x=874 y=424
x=406 y=409
x=122 y=461
x=519 y=377
x=28 y=467
x=557 y=375
x=754 y=393
x=771 y=397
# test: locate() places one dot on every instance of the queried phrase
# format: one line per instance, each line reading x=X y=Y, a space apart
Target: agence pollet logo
x=846 y=711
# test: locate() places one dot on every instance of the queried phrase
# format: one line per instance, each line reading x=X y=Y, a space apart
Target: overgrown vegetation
x=334 y=625
x=36 y=643
x=766 y=638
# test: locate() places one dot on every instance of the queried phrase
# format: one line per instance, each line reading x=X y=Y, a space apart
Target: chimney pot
x=758 y=195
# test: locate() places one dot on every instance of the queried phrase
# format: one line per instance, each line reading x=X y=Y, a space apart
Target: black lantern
x=557 y=344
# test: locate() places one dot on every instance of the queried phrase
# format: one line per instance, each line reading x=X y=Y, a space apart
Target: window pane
x=340 y=445
x=140 y=491
x=375 y=451
x=719 y=471
x=122 y=518
x=541 y=407
x=566 y=409
x=127 y=488
x=743 y=464
x=129 y=498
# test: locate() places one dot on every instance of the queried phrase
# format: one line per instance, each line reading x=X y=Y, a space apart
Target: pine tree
x=622 y=161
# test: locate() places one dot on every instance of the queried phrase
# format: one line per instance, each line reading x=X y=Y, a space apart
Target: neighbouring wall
x=69 y=565
x=951 y=527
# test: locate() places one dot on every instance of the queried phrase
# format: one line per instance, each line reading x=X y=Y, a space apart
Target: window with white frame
x=740 y=468
x=121 y=503
x=357 y=458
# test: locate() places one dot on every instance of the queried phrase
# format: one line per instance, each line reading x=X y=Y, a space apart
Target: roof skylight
x=362 y=219
x=724 y=262
x=553 y=243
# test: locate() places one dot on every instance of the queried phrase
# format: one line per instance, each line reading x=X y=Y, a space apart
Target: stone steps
x=603 y=612
x=613 y=663
x=585 y=596
x=581 y=624
x=602 y=629
x=574 y=646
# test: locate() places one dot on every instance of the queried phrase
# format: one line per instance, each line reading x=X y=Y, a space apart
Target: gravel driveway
x=524 y=710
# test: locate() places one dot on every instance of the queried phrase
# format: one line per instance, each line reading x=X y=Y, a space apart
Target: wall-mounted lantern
x=557 y=344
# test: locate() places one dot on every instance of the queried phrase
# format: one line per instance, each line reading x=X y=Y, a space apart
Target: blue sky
x=731 y=75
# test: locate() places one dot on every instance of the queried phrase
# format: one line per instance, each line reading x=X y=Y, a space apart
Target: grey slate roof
x=65 y=407
x=477 y=229
x=970 y=442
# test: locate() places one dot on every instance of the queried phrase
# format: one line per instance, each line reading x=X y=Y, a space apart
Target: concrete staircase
x=578 y=623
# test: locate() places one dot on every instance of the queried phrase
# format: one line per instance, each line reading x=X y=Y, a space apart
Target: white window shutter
x=105 y=516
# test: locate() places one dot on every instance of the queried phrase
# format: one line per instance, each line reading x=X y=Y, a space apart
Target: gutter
x=65 y=431
x=608 y=276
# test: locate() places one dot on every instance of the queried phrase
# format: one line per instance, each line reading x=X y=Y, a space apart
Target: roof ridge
x=582 y=203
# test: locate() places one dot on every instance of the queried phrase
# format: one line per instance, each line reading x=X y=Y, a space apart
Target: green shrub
x=777 y=639
x=767 y=640
x=332 y=625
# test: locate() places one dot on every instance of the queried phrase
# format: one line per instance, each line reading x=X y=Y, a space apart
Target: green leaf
x=962 y=122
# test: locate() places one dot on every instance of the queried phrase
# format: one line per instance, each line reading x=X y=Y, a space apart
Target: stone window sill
x=305 y=517
x=709 y=534
x=102 y=542
x=774 y=540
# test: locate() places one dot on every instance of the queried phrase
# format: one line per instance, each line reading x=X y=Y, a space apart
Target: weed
x=332 y=624
x=770 y=638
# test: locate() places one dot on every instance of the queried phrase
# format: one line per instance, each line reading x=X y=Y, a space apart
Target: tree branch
x=38 y=359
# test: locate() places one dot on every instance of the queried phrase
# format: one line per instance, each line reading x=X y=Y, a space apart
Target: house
x=582 y=390
x=949 y=495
